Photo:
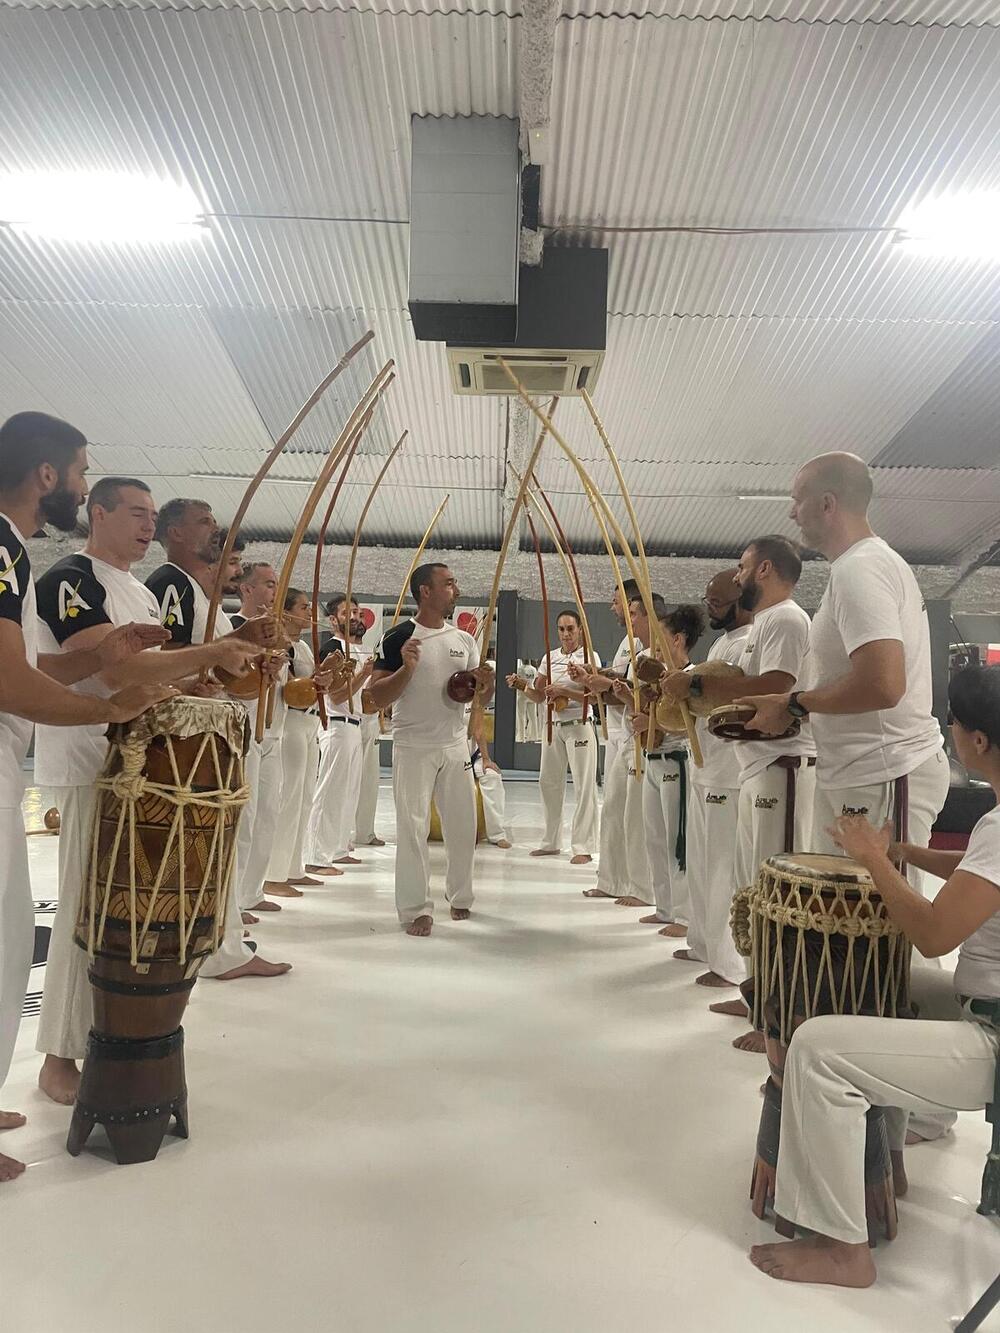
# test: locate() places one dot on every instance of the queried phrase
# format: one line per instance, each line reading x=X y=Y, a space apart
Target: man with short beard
x=192 y=540
x=43 y=462
x=777 y=777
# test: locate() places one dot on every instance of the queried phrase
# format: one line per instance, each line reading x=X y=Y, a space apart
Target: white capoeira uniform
x=711 y=843
x=527 y=709
x=299 y=769
x=612 y=873
x=665 y=799
x=75 y=594
x=430 y=761
x=340 y=763
x=877 y=763
x=371 y=771
x=17 y=913
x=573 y=744
x=491 y=789
x=930 y=1067
x=183 y=608
x=774 y=774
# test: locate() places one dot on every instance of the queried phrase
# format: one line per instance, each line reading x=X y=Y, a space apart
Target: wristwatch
x=794 y=707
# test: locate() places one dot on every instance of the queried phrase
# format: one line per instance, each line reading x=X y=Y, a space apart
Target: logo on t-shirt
x=854 y=810
x=8 y=572
x=765 y=802
x=456 y=652
x=70 y=601
x=170 y=608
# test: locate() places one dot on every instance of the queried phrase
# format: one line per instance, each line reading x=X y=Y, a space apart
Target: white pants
x=364 y=817
x=336 y=798
x=575 y=744
x=761 y=826
x=17 y=931
x=299 y=767
x=839 y=1066
x=612 y=875
x=927 y=792
x=490 y=783
x=419 y=776
x=664 y=804
x=713 y=816
x=640 y=880
x=67 y=1005
x=259 y=821
x=233 y=949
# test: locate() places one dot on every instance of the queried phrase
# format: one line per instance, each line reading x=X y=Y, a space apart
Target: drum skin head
x=818 y=866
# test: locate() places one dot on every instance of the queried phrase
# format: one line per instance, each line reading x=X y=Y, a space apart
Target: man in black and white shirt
x=81 y=599
x=430 y=758
x=43 y=462
x=192 y=540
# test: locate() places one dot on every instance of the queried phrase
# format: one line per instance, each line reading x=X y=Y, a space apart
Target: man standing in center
x=430 y=747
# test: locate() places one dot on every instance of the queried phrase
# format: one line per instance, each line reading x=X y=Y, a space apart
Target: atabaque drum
x=153 y=909
x=821 y=942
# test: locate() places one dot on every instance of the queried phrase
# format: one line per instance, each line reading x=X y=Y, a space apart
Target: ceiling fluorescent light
x=963 y=225
x=99 y=206
x=782 y=499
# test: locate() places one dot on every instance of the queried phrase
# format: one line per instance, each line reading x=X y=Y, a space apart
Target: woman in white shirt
x=839 y=1066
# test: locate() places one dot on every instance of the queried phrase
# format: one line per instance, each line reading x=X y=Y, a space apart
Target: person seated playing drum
x=839 y=1066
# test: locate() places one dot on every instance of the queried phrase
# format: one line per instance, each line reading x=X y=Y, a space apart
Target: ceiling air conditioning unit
x=477 y=370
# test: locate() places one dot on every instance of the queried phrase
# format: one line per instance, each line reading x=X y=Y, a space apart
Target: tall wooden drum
x=820 y=942
x=161 y=862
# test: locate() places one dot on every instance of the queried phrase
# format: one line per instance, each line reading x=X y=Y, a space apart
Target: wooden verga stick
x=320 y=541
x=548 y=519
x=573 y=574
x=261 y=473
x=332 y=461
x=416 y=560
x=546 y=634
x=477 y=703
x=356 y=544
x=607 y=519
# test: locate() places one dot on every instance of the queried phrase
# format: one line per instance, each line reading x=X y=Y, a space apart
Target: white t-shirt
x=778 y=641
x=614 y=712
x=555 y=668
x=424 y=716
x=722 y=758
x=978 y=971
x=75 y=594
x=872 y=595
x=17 y=604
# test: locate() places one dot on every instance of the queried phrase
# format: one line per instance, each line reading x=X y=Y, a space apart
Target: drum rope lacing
x=128 y=786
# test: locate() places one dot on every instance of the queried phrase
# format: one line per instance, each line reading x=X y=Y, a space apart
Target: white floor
x=528 y=1123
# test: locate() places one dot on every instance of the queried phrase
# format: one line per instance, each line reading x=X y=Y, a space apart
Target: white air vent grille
x=477 y=370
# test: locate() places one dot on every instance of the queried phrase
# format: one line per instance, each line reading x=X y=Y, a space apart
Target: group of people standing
x=845 y=742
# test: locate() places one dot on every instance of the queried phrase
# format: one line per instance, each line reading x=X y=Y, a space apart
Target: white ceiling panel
x=922 y=12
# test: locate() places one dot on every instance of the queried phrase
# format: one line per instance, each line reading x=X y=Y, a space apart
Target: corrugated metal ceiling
x=730 y=357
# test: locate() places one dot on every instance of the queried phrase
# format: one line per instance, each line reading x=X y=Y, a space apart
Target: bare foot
x=913 y=1138
x=595 y=893
x=12 y=1119
x=731 y=1008
x=59 y=1079
x=584 y=859
x=256 y=967
x=652 y=920
x=686 y=956
x=348 y=861
x=249 y=919
x=305 y=879
x=675 y=931
x=817 y=1259
x=331 y=871
x=460 y=914
x=630 y=901
x=10 y=1168
x=502 y=842
x=713 y=979
x=899 y=1181
x=422 y=926
x=545 y=851
x=753 y=1042
x=375 y=842
x=282 y=890
x=265 y=905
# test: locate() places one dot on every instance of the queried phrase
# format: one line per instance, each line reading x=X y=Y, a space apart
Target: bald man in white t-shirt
x=430 y=745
